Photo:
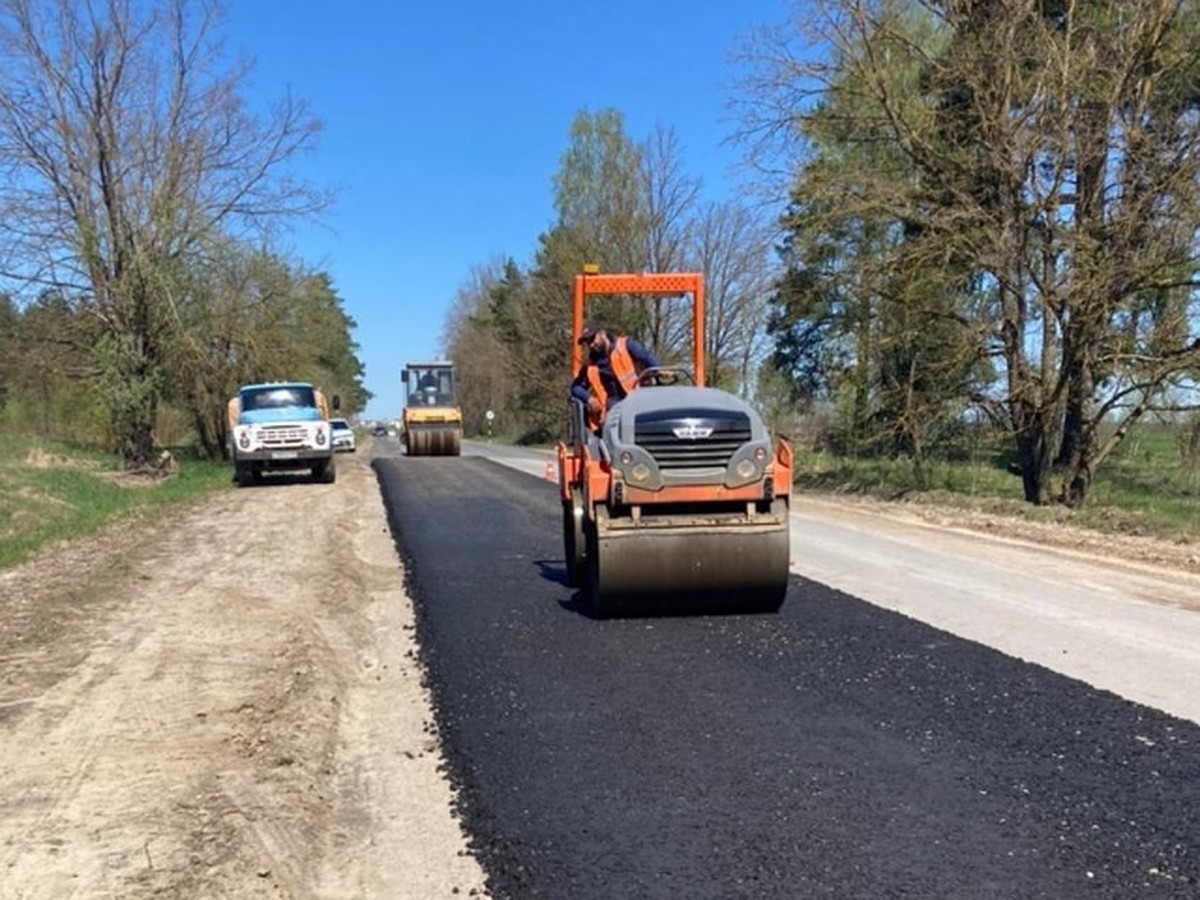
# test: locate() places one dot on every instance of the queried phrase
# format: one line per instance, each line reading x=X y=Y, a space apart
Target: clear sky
x=445 y=123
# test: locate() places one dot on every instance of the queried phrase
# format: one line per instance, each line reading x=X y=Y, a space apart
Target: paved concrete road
x=1120 y=627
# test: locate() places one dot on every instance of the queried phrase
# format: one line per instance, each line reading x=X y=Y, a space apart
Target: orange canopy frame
x=650 y=284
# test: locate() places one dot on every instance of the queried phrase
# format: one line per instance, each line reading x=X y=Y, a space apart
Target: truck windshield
x=278 y=397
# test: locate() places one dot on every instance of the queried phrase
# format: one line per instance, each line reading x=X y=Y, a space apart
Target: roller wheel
x=574 y=541
x=693 y=567
x=604 y=603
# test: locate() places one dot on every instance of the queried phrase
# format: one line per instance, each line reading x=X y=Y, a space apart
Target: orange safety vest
x=623 y=368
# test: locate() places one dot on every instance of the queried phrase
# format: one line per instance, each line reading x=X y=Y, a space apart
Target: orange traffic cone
x=551 y=471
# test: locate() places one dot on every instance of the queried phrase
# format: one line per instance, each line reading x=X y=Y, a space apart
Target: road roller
x=678 y=499
x=432 y=421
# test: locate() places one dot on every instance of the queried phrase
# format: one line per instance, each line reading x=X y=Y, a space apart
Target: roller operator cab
x=432 y=421
x=681 y=497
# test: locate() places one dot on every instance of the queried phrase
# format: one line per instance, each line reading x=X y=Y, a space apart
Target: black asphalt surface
x=835 y=750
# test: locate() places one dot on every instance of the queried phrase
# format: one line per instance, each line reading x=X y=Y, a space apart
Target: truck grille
x=282 y=437
x=705 y=440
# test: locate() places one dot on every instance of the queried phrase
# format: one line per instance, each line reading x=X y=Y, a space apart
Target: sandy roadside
x=227 y=703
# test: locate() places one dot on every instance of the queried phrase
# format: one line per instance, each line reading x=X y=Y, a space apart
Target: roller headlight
x=746 y=469
x=639 y=473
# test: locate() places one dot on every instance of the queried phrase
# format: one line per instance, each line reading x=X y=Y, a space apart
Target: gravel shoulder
x=226 y=703
x=1073 y=544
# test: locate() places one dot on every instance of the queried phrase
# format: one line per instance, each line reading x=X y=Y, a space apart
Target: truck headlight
x=640 y=472
x=320 y=437
x=244 y=439
x=746 y=469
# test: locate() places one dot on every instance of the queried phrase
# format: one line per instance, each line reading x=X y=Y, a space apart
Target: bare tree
x=1045 y=158
x=733 y=247
x=671 y=199
x=125 y=144
x=474 y=336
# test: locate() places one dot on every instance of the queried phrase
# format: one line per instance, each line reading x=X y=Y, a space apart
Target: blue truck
x=282 y=425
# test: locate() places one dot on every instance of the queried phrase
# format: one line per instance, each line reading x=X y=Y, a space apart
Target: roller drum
x=433 y=440
x=574 y=539
x=687 y=568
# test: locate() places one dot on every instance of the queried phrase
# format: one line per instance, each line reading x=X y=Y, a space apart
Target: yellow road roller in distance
x=432 y=424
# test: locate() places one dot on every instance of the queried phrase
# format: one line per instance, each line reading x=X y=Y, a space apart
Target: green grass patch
x=51 y=492
x=1147 y=487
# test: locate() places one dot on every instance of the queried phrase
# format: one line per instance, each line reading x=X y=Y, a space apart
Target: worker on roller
x=427 y=387
x=610 y=371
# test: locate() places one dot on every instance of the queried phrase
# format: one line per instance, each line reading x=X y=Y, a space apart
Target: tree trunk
x=1093 y=453
x=210 y=431
x=1077 y=456
x=130 y=361
x=138 y=448
x=860 y=415
x=134 y=416
x=1080 y=385
x=1077 y=487
x=1074 y=421
x=1036 y=454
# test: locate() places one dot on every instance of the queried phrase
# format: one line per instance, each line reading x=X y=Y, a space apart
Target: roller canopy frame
x=650 y=285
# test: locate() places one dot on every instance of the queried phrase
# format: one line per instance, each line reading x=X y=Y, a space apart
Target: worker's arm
x=580 y=389
x=643 y=357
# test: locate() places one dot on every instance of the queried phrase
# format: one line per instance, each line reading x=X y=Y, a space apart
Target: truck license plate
x=284 y=454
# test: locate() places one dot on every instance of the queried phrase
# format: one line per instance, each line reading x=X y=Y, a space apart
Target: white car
x=343 y=435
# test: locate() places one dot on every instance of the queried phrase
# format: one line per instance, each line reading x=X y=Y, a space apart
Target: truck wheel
x=243 y=472
x=325 y=471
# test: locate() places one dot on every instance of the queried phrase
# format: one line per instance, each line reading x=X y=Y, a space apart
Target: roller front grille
x=706 y=440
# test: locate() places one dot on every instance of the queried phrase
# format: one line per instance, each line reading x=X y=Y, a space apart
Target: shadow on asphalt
x=659 y=607
x=552 y=570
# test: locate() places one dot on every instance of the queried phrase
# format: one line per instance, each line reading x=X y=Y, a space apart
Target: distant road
x=1129 y=629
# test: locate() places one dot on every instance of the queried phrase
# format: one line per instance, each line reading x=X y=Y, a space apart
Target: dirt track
x=224 y=704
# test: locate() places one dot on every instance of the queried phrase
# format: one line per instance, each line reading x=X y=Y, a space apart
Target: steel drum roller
x=742 y=567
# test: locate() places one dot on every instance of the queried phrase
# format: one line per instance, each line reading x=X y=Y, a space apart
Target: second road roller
x=432 y=423
x=678 y=497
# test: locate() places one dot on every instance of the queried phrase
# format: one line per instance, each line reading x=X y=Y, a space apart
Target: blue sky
x=446 y=122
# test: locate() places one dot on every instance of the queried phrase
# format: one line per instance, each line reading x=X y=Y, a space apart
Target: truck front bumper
x=282 y=459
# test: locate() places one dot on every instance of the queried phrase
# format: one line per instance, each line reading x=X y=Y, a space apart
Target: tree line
x=140 y=201
x=626 y=206
x=991 y=221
